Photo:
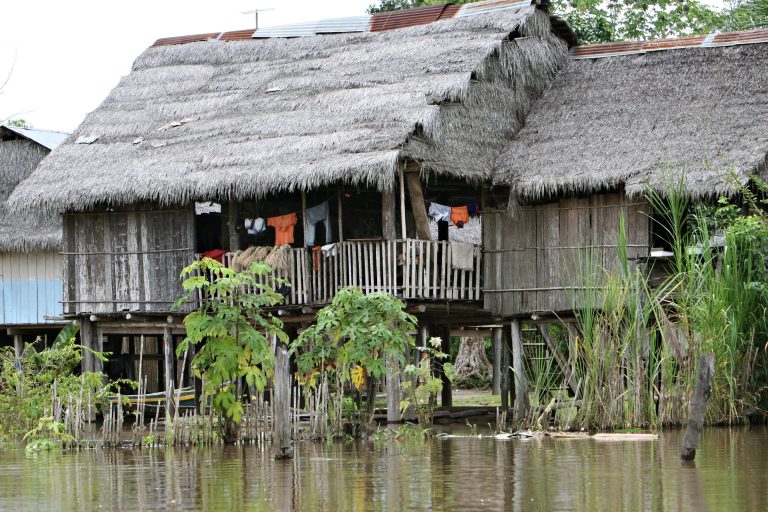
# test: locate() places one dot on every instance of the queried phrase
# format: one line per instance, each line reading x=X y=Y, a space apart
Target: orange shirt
x=283 y=228
x=459 y=214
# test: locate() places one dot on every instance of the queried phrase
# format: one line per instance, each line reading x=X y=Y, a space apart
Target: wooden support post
x=560 y=359
x=18 y=345
x=497 y=348
x=169 y=377
x=447 y=393
x=393 y=392
x=98 y=364
x=423 y=337
x=521 y=382
x=388 y=225
x=282 y=403
x=403 y=230
x=339 y=204
x=505 y=381
x=233 y=212
x=86 y=340
x=418 y=208
x=698 y=405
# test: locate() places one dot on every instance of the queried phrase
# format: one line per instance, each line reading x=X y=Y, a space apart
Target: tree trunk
x=471 y=362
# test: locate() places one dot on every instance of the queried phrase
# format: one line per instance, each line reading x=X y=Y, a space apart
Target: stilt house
x=30 y=241
x=331 y=141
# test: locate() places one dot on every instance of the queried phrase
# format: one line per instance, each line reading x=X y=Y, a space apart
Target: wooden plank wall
x=126 y=261
x=31 y=287
x=533 y=262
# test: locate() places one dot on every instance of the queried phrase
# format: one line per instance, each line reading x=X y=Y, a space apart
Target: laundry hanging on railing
x=284 y=225
x=255 y=226
x=439 y=212
x=462 y=255
x=319 y=214
x=459 y=216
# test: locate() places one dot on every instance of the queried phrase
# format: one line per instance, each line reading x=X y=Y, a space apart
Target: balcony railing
x=409 y=269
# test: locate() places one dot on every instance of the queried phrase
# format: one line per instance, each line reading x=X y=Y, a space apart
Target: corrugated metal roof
x=491 y=5
x=167 y=41
x=312 y=28
x=594 y=51
x=46 y=138
x=406 y=18
x=237 y=35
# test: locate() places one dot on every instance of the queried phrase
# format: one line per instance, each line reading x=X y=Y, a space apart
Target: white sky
x=67 y=55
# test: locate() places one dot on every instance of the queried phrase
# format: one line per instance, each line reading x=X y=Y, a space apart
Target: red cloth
x=214 y=254
x=283 y=228
x=459 y=216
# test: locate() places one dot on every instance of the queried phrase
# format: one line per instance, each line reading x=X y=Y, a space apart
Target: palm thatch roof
x=21 y=150
x=243 y=119
x=644 y=119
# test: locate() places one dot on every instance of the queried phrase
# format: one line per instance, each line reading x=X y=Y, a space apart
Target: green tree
x=234 y=330
x=745 y=15
x=599 y=21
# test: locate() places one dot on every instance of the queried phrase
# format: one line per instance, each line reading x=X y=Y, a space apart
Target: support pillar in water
x=698 y=406
x=281 y=395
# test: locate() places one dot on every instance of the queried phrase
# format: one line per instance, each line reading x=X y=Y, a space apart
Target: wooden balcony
x=409 y=269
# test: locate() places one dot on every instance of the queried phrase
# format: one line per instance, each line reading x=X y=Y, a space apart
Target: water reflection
x=730 y=473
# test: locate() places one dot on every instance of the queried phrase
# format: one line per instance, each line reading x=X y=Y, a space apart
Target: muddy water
x=463 y=474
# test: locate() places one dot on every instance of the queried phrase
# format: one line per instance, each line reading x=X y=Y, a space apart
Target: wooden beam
x=282 y=402
x=403 y=231
x=86 y=340
x=521 y=382
x=504 y=378
x=560 y=359
x=497 y=348
x=233 y=211
x=418 y=207
x=169 y=376
x=393 y=391
x=388 y=224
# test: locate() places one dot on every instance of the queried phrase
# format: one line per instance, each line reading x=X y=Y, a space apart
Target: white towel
x=462 y=255
x=439 y=211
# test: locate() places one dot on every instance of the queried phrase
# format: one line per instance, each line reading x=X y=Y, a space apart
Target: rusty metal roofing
x=167 y=41
x=406 y=18
x=595 y=51
x=376 y=23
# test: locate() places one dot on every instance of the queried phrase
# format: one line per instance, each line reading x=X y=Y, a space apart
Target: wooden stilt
x=698 y=406
x=505 y=381
x=497 y=341
x=169 y=377
x=560 y=359
x=447 y=393
x=521 y=382
x=18 y=345
x=393 y=392
x=86 y=340
x=98 y=364
x=282 y=403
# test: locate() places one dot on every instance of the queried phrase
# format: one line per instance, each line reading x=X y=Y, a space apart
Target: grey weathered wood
x=401 y=175
x=18 y=345
x=168 y=355
x=447 y=392
x=505 y=381
x=697 y=408
x=521 y=382
x=497 y=348
x=87 y=340
x=388 y=213
x=418 y=207
x=282 y=403
x=560 y=359
x=393 y=392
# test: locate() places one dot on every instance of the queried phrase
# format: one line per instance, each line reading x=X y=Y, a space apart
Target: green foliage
x=350 y=344
x=745 y=15
x=18 y=123
x=29 y=384
x=599 y=21
x=422 y=389
x=231 y=328
x=48 y=434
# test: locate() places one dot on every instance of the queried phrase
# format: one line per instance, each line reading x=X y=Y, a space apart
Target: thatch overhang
x=21 y=150
x=244 y=119
x=643 y=118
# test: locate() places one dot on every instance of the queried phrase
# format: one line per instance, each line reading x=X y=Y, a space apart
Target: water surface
x=464 y=474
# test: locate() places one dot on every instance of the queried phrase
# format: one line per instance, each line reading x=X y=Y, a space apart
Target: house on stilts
x=332 y=141
x=30 y=241
x=618 y=119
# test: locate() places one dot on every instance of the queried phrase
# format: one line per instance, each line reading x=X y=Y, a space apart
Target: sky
x=63 y=57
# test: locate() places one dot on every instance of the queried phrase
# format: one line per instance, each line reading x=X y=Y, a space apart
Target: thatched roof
x=21 y=150
x=643 y=118
x=242 y=119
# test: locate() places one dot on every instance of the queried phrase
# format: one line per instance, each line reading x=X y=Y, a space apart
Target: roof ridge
x=713 y=40
x=377 y=22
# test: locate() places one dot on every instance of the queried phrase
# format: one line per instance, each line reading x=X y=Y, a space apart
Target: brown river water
x=462 y=474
